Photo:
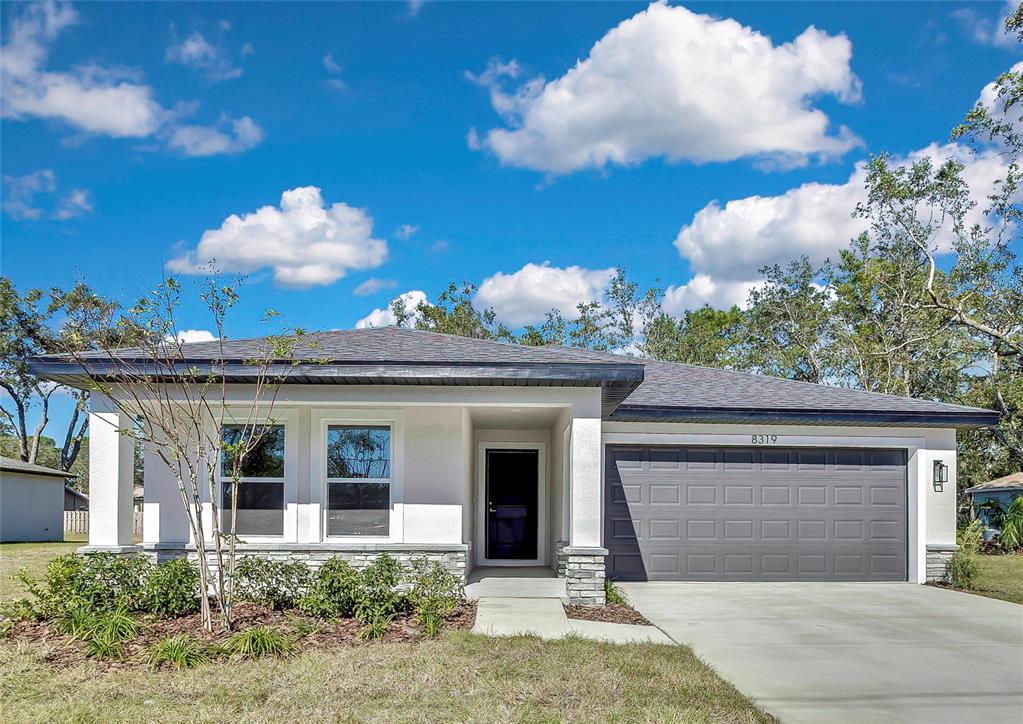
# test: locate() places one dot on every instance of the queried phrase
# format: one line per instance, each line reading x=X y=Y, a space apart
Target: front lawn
x=1000 y=576
x=34 y=557
x=457 y=677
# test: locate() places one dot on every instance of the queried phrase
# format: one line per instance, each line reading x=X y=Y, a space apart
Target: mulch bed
x=611 y=613
x=307 y=632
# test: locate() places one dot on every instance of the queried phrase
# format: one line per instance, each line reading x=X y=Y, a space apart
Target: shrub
x=970 y=536
x=962 y=570
x=104 y=647
x=613 y=594
x=334 y=591
x=258 y=641
x=171 y=589
x=433 y=592
x=275 y=584
x=181 y=652
x=1011 y=535
x=379 y=597
x=96 y=581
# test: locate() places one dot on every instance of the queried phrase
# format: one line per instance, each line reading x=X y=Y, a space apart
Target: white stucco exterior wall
x=31 y=507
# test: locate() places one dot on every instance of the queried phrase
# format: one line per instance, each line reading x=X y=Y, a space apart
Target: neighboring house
x=1001 y=490
x=479 y=453
x=31 y=502
x=74 y=500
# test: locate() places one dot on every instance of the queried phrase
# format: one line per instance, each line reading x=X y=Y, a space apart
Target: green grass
x=1000 y=576
x=457 y=677
x=34 y=557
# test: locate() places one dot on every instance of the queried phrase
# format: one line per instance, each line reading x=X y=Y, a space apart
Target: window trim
x=358 y=481
x=284 y=418
x=322 y=420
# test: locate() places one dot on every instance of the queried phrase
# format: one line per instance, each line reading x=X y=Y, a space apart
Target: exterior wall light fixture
x=940 y=475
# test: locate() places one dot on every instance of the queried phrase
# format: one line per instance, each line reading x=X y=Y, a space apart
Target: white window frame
x=287 y=420
x=319 y=487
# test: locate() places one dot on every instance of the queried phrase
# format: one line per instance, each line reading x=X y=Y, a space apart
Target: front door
x=512 y=502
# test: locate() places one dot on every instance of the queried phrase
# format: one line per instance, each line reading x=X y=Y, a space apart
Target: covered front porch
x=472 y=477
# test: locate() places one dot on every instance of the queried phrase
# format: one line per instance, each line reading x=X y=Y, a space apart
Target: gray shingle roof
x=669 y=391
x=1008 y=482
x=14 y=465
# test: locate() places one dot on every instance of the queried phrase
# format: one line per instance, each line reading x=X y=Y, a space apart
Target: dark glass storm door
x=511 y=499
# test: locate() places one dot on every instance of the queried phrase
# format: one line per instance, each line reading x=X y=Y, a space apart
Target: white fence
x=77 y=521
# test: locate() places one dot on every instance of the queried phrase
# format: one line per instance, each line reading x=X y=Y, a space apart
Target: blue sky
x=130 y=130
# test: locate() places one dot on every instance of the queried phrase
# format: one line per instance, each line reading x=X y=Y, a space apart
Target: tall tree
x=29 y=325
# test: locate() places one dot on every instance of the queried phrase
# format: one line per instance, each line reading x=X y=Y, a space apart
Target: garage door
x=726 y=513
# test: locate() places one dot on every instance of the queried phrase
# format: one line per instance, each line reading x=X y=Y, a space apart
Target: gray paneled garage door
x=710 y=513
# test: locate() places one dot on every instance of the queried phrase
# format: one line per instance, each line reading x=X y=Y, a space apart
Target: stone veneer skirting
x=452 y=557
x=938 y=556
x=560 y=557
x=584 y=575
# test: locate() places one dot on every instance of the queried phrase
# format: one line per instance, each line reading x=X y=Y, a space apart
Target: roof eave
x=956 y=419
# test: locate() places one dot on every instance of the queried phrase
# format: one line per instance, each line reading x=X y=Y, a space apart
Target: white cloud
x=77 y=203
x=676 y=84
x=306 y=243
x=732 y=242
x=20 y=198
x=406 y=231
x=195 y=335
x=331 y=65
x=986 y=29
x=385 y=317
x=414 y=6
x=20 y=193
x=525 y=296
x=197 y=53
x=373 y=285
x=94 y=99
x=702 y=290
x=91 y=98
x=231 y=135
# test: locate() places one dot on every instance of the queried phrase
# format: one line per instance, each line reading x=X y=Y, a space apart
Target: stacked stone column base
x=584 y=575
x=938 y=556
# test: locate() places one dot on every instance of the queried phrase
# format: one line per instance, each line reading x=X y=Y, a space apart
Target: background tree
x=30 y=324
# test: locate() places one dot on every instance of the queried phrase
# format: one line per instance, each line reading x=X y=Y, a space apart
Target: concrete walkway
x=851 y=652
x=528 y=602
x=545 y=617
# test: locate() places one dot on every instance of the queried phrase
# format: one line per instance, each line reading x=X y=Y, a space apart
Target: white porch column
x=584 y=562
x=110 y=478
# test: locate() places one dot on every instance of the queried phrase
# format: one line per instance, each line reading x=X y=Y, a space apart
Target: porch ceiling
x=514 y=418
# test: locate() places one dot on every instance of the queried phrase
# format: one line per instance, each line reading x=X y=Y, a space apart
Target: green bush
x=181 y=652
x=171 y=589
x=377 y=622
x=379 y=595
x=970 y=536
x=333 y=592
x=1011 y=536
x=433 y=593
x=96 y=581
x=275 y=584
x=258 y=641
x=962 y=570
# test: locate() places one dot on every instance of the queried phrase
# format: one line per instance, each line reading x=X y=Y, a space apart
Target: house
x=1002 y=491
x=478 y=453
x=75 y=500
x=31 y=502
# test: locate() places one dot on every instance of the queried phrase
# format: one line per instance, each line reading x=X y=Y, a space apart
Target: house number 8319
x=764 y=439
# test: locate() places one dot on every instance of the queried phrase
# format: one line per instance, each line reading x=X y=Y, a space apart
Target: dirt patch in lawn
x=611 y=613
x=307 y=633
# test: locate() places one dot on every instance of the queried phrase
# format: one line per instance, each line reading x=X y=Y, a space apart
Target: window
x=358 y=480
x=261 y=484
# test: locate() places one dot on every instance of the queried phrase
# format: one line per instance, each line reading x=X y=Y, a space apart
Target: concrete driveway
x=851 y=652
